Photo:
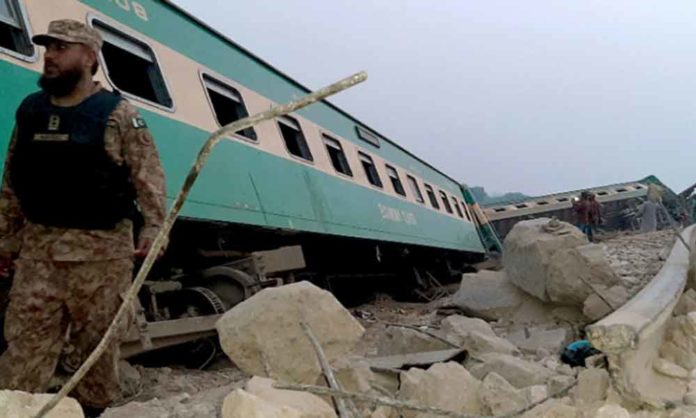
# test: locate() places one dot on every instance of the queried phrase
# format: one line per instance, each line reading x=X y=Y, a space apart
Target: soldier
x=79 y=159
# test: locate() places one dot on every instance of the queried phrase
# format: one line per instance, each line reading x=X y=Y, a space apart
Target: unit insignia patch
x=139 y=123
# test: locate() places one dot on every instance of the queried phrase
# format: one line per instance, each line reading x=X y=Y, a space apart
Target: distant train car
x=618 y=204
x=314 y=195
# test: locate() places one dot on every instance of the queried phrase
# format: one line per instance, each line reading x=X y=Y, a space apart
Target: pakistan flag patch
x=139 y=123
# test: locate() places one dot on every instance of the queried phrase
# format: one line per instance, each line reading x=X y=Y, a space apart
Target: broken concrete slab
x=417 y=359
x=528 y=250
x=455 y=327
x=592 y=386
x=401 y=340
x=353 y=374
x=309 y=406
x=572 y=271
x=612 y=411
x=596 y=307
x=500 y=397
x=520 y=373
x=475 y=335
x=242 y=404
x=489 y=295
x=533 y=339
x=262 y=335
x=445 y=385
x=667 y=368
x=16 y=404
x=554 y=408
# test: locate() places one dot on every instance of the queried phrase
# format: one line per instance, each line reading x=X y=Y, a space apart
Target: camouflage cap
x=71 y=31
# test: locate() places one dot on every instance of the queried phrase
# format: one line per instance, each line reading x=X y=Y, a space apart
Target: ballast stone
x=529 y=247
x=263 y=336
x=16 y=404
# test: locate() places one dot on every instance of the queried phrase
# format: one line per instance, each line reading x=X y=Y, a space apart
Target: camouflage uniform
x=68 y=283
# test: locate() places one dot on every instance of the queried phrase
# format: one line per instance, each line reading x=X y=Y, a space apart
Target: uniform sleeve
x=11 y=216
x=142 y=158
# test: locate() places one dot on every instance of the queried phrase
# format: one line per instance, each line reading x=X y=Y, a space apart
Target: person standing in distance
x=81 y=166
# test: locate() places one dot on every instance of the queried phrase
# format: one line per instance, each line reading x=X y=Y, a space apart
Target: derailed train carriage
x=618 y=201
x=316 y=195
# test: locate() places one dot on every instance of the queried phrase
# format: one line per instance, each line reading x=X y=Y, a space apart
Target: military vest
x=60 y=170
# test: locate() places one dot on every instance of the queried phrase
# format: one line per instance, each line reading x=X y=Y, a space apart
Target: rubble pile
x=491 y=349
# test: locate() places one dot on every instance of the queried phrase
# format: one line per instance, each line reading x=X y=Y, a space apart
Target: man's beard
x=61 y=85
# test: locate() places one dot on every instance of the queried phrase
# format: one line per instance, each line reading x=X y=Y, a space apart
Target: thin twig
x=326 y=368
x=161 y=237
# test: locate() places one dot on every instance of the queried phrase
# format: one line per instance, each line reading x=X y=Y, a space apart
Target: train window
x=456 y=207
x=521 y=206
x=603 y=193
x=563 y=199
x=14 y=34
x=395 y=180
x=131 y=66
x=431 y=196
x=500 y=209
x=227 y=104
x=621 y=190
x=294 y=138
x=443 y=197
x=367 y=136
x=466 y=211
x=370 y=169
x=337 y=156
x=415 y=189
x=542 y=203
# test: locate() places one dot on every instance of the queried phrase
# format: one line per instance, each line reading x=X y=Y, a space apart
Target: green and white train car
x=339 y=198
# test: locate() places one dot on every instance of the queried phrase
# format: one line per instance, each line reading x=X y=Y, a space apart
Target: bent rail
x=632 y=335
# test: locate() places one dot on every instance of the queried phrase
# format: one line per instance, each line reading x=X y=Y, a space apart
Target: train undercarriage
x=211 y=267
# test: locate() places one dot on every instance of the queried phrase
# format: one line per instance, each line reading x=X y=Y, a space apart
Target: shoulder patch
x=138 y=123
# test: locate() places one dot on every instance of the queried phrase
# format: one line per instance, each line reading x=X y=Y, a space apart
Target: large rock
x=263 y=336
x=242 y=404
x=520 y=373
x=401 y=340
x=476 y=335
x=309 y=406
x=445 y=385
x=354 y=375
x=571 y=269
x=687 y=303
x=529 y=247
x=500 y=397
x=15 y=404
x=554 y=408
x=596 y=308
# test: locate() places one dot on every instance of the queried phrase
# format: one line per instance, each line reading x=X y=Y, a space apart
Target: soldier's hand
x=144 y=247
x=6 y=265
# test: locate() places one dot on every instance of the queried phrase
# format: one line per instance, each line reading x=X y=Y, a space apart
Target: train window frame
x=206 y=77
x=465 y=208
x=368 y=136
x=114 y=33
x=397 y=184
x=415 y=189
x=371 y=173
x=338 y=158
x=288 y=121
x=19 y=26
x=446 y=203
x=456 y=206
x=430 y=192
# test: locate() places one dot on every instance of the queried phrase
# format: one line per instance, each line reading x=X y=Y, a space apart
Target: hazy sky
x=530 y=96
